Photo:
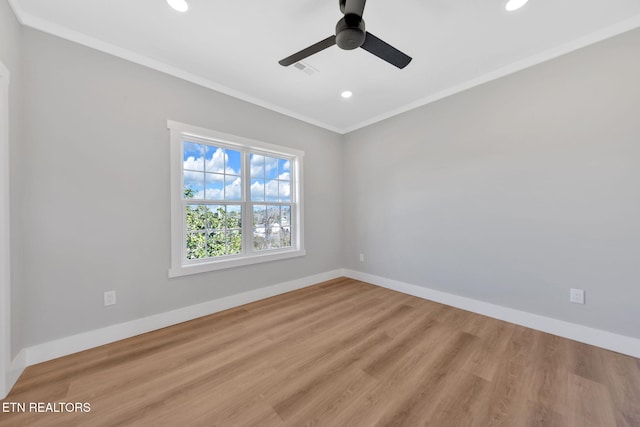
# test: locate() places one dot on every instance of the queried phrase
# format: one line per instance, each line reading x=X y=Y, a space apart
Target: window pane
x=215 y=217
x=193 y=156
x=193 y=185
x=233 y=187
x=225 y=182
x=213 y=230
x=196 y=246
x=270 y=168
x=259 y=227
x=215 y=159
x=233 y=162
x=257 y=166
x=257 y=190
x=234 y=217
x=216 y=244
x=271 y=191
x=214 y=186
x=284 y=167
x=285 y=224
x=196 y=217
x=284 y=191
x=275 y=228
x=272 y=227
x=234 y=242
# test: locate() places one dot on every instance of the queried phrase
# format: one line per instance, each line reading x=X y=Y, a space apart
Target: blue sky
x=214 y=174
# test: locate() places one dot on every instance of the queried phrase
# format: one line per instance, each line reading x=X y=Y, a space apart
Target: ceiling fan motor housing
x=350 y=32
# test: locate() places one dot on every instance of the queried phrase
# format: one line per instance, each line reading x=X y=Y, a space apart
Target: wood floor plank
x=342 y=352
x=462 y=398
x=548 y=382
x=508 y=396
x=591 y=403
x=483 y=363
x=537 y=415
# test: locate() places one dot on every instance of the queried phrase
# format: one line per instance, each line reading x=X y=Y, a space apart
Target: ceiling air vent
x=305 y=68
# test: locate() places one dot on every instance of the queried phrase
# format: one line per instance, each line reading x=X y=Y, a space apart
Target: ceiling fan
x=351 y=34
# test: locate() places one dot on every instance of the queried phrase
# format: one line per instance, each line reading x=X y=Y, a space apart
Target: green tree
x=211 y=232
x=189 y=193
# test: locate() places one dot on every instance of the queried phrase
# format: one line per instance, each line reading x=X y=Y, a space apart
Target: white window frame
x=180 y=266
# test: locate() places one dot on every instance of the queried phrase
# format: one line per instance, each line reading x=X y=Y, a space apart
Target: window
x=234 y=201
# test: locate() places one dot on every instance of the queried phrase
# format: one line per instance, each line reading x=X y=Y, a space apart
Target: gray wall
x=10 y=55
x=512 y=192
x=94 y=185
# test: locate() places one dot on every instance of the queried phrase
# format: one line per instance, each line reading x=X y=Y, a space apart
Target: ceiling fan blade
x=315 y=48
x=355 y=7
x=385 y=51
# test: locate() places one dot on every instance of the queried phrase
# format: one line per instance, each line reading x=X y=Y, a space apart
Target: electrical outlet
x=361 y=257
x=109 y=298
x=576 y=296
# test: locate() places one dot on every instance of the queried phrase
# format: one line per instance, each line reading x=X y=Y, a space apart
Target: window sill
x=203 y=267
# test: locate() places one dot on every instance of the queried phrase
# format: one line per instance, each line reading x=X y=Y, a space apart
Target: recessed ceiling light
x=515 y=4
x=179 y=5
x=346 y=94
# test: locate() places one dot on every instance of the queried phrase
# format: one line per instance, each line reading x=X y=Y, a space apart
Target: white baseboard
x=86 y=340
x=608 y=340
x=18 y=364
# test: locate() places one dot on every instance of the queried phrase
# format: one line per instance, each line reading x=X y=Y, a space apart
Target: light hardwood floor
x=339 y=353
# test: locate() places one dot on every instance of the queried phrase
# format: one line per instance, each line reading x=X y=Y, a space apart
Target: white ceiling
x=234 y=46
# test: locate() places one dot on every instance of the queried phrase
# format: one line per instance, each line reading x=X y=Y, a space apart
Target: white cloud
x=285 y=190
x=271 y=190
x=262 y=166
x=257 y=190
x=270 y=166
x=215 y=177
x=257 y=165
x=194 y=164
x=194 y=177
x=234 y=190
x=215 y=164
